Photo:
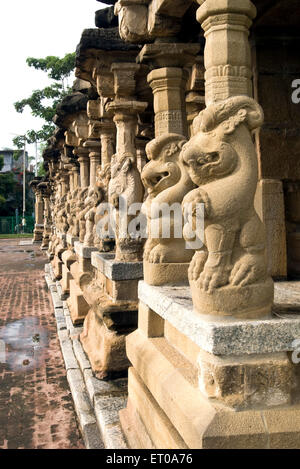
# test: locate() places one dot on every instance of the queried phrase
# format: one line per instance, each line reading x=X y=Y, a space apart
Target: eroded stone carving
x=125 y=186
x=83 y=206
x=167 y=181
x=101 y=241
x=228 y=276
x=94 y=197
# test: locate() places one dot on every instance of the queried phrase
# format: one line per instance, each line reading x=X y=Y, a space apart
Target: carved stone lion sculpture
x=83 y=206
x=125 y=185
x=101 y=241
x=165 y=258
x=228 y=276
x=94 y=198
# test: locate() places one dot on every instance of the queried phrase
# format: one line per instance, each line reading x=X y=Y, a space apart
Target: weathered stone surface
x=222 y=336
x=117 y=270
x=68 y=353
x=98 y=387
x=257 y=381
x=106 y=18
x=84 y=251
x=80 y=356
x=84 y=410
x=71 y=104
x=72 y=239
x=104 y=347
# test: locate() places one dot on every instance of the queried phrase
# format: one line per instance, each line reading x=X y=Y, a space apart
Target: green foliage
x=11 y=193
x=2 y=201
x=1 y=162
x=17 y=154
x=58 y=68
x=43 y=102
x=41 y=170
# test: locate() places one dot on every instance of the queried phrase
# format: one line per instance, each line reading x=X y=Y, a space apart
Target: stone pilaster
x=168 y=81
x=39 y=216
x=227 y=51
x=125 y=185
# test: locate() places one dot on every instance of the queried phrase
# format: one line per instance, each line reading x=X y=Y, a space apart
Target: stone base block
x=84 y=251
x=119 y=279
x=228 y=335
x=71 y=240
x=68 y=258
x=57 y=267
x=269 y=204
x=161 y=391
x=163 y=274
x=38 y=233
x=103 y=340
x=106 y=264
x=77 y=304
x=211 y=382
x=134 y=429
x=65 y=280
x=154 y=421
x=37 y=237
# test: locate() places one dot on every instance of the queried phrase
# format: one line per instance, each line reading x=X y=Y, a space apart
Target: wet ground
x=36 y=408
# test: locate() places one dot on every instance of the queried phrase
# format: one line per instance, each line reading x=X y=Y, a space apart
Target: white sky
x=34 y=28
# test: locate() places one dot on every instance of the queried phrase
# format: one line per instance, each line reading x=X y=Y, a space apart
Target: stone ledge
x=116 y=270
x=83 y=251
x=71 y=239
x=61 y=236
x=227 y=336
x=97 y=402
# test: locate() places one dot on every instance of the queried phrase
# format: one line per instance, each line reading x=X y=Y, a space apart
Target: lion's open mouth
x=153 y=182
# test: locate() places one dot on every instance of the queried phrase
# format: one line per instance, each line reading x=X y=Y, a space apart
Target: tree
x=43 y=102
x=11 y=193
x=41 y=169
x=1 y=162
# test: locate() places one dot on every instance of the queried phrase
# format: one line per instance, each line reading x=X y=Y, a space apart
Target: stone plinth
x=83 y=251
x=211 y=382
x=71 y=239
x=80 y=274
x=38 y=233
x=106 y=264
x=269 y=203
x=113 y=313
x=61 y=236
x=224 y=336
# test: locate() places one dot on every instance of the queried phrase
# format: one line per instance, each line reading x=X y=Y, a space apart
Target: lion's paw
x=249 y=269
x=197 y=265
x=212 y=278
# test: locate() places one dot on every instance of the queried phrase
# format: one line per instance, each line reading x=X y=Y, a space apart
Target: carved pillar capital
x=227 y=52
x=83 y=160
x=124 y=79
x=108 y=141
x=168 y=86
x=125 y=118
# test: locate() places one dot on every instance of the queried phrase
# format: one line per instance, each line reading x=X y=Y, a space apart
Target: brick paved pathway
x=36 y=408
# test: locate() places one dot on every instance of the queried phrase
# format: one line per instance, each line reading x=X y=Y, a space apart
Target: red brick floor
x=36 y=408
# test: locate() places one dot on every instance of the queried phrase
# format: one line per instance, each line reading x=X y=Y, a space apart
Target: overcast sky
x=35 y=28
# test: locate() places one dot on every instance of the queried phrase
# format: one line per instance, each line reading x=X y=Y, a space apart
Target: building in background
x=13 y=160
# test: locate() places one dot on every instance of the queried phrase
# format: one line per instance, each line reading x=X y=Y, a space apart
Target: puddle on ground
x=25 y=342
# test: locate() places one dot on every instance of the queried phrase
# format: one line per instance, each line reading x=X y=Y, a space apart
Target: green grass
x=11 y=236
